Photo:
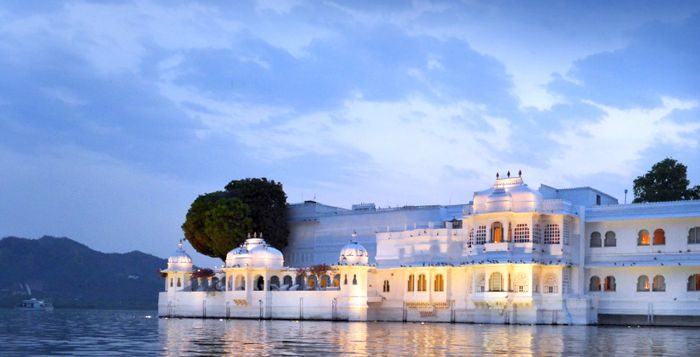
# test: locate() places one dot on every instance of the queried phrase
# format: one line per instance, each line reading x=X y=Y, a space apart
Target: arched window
x=497 y=232
x=496 y=282
x=240 y=283
x=229 y=283
x=300 y=282
x=694 y=235
x=659 y=237
x=439 y=285
x=386 y=287
x=274 y=283
x=325 y=281
x=336 y=281
x=481 y=281
x=694 y=282
x=594 y=284
x=643 y=237
x=659 y=283
x=610 y=283
x=596 y=241
x=522 y=233
x=551 y=284
x=287 y=282
x=411 y=283
x=422 y=283
x=312 y=282
x=643 y=283
x=610 y=240
x=354 y=279
x=179 y=283
x=552 y=234
x=171 y=282
x=259 y=283
x=345 y=280
x=481 y=235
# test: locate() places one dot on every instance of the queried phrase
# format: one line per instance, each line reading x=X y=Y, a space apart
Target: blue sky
x=116 y=115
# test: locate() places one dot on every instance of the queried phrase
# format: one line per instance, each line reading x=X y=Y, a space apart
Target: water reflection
x=94 y=332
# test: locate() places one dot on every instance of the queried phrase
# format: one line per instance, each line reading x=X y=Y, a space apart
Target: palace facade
x=512 y=255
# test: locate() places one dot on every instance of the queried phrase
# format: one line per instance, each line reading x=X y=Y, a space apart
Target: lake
x=109 y=332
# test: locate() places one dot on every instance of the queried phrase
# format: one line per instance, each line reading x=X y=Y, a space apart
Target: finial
x=520 y=173
x=354 y=234
x=179 y=244
x=248 y=235
x=260 y=235
x=497 y=175
x=508 y=173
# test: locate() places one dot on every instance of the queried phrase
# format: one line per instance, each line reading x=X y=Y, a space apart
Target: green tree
x=268 y=207
x=216 y=223
x=666 y=181
x=219 y=221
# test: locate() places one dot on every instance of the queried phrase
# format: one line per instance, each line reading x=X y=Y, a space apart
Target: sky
x=116 y=115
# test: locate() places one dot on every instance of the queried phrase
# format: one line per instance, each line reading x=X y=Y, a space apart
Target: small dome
x=354 y=253
x=255 y=252
x=507 y=194
x=180 y=260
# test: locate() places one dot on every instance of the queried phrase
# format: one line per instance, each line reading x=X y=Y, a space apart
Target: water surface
x=105 y=332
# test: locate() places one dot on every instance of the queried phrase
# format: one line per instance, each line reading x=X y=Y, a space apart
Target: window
x=240 y=283
x=659 y=283
x=659 y=237
x=497 y=232
x=481 y=235
x=643 y=283
x=470 y=241
x=179 y=283
x=597 y=200
x=287 y=281
x=610 y=240
x=259 y=283
x=536 y=233
x=171 y=282
x=520 y=283
x=594 y=284
x=610 y=283
x=354 y=279
x=411 y=284
x=496 y=282
x=596 y=241
x=694 y=282
x=439 y=283
x=694 y=235
x=345 y=280
x=551 y=284
x=522 y=233
x=386 y=287
x=229 y=283
x=643 y=237
x=422 y=283
x=552 y=235
x=336 y=281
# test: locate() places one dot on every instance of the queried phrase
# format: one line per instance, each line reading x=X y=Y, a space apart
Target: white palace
x=512 y=255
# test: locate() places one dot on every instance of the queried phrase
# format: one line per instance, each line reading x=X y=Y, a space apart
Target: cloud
x=617 y=140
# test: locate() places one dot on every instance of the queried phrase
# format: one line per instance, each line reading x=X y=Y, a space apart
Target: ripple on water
x=103 y=332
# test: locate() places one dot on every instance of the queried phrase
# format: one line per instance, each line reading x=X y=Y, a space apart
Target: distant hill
x=73 y=275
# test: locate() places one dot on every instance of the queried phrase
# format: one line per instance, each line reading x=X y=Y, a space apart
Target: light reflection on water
x=92 y=332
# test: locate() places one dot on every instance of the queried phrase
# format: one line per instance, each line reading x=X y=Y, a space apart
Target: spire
x=497 y=175
x=520 y=173
x=508 y=173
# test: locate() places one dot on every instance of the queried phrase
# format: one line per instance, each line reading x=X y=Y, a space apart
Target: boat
x=35 y=305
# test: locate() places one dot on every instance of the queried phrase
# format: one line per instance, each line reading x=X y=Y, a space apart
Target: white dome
x=353 y=253
x=255 y=252
x=508 y=194
x=180 y=261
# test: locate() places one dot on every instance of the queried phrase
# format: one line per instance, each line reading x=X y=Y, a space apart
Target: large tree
x=666 y=181
x=219 y=221
x=268 y=207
